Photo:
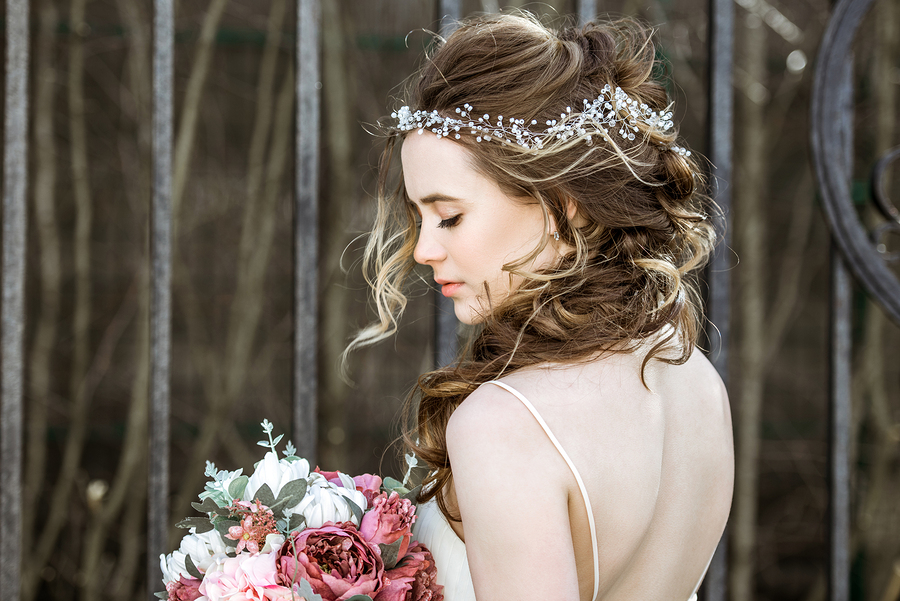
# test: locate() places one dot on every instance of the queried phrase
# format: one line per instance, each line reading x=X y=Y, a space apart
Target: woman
x=581 y=447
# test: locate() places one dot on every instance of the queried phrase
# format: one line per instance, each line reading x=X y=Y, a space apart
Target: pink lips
x=450 y=288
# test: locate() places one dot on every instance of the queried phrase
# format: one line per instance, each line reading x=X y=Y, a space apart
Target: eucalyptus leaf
x=262 y=443
x=201 y=524
x=356 y=509
x=237 y=486
x=390 y=553
x=222 y=527
x=294 y=488
x=207 y=506
x=360 y=598
x=306 y=591
x=392 y=483
x=264 y=495
x=161 y=595
x=204 y=528
x=191 y=568
x=291 y=494
x=297 y=522
x=413 y=495
x=277 y=440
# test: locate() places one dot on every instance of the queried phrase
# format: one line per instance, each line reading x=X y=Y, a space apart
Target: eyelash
x=449 y=222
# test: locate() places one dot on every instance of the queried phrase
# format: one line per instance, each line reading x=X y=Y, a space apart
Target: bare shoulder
x=490 y=416
x=700 y=378
x=492 y=427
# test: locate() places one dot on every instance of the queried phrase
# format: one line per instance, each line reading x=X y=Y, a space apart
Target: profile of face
x=469 y=227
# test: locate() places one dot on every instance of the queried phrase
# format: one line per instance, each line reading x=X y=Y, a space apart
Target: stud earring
x=556 y=235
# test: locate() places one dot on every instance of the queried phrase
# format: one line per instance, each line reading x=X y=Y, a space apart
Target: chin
x=468 y=314
x=465 y=316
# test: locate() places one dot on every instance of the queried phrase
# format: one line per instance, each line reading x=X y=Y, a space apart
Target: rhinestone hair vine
x=613 y=111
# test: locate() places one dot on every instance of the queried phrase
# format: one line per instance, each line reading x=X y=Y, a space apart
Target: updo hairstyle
x=641 y=228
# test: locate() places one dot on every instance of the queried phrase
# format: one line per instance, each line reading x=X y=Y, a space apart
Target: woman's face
x=470 y=228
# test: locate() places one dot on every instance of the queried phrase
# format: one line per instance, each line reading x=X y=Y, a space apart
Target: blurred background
x=86 y=398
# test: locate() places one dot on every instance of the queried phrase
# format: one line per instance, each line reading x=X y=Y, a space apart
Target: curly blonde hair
x=640 y=228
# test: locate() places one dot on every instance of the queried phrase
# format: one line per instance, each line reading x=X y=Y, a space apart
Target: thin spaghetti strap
x=565 y=456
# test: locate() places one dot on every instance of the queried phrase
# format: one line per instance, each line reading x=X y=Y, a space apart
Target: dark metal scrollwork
x=887 y=208
x=828 y=113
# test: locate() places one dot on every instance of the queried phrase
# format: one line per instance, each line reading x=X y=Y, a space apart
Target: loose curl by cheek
x=630 y=212
x=387 y=260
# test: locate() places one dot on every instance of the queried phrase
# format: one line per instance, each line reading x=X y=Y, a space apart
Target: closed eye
x=449 y=221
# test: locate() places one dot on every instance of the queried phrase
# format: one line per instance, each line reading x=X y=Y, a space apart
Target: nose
x=428 y=250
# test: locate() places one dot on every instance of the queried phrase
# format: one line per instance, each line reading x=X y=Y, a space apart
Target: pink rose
x=336 y=561
x=412 y=579
x=368 y=485
x=183 y=589
x=247 y=577
x=389 y=519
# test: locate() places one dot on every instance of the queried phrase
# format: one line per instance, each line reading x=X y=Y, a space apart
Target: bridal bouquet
x=285 y=532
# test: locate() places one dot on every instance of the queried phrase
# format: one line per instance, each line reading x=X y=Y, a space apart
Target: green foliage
x=191 y=568
x=201 y=524
x=390 y=553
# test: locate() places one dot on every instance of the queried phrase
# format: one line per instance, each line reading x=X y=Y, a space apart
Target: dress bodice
x=449 y=551
x=432 y=530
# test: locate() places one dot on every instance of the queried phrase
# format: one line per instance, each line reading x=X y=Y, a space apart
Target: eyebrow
x=433 y=198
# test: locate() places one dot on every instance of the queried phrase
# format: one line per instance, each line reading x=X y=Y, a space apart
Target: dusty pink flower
x=389 y=519
x=257 y=523
x=335 y=559
x=332 y=477
x=183 y=589
x=412 y=579
x=368 y=485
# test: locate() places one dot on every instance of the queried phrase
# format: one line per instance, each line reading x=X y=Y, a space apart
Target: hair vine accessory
x=612 y=111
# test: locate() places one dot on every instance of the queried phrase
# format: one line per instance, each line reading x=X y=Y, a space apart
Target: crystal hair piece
x=612 y=110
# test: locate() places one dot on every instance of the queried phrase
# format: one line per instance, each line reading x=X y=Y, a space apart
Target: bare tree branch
x=187 y=125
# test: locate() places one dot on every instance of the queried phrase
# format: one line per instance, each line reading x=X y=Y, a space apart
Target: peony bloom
x=326 y=502
x=276 y=473
x=243 y=578
x=200 y=547
x=389 y=519
x=412 y=579
x=336 y=561
x=183 y=589
x=369 y=485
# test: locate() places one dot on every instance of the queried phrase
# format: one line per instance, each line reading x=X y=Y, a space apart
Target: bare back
x=657 y=466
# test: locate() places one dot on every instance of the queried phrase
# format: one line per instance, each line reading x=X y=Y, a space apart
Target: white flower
x=327 y=502
x=200 y=547
x=273 y=543
x=276 y=473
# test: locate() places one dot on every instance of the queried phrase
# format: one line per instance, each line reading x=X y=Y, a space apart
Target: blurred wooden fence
x=855 y=254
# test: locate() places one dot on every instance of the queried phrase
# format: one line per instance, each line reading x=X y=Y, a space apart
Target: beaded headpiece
x=612 y=111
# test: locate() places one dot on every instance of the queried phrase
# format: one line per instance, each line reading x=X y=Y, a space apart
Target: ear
x=572 y=213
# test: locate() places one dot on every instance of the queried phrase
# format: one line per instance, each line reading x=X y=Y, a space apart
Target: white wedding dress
x=449 y=552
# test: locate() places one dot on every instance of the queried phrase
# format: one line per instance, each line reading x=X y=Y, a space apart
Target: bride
x=581 y=448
